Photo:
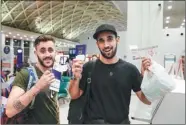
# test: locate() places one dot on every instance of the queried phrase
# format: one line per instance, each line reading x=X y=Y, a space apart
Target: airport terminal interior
x=152 y=29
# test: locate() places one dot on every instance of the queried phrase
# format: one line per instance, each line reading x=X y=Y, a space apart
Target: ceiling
x=62 y=19
x=176 y=14
x=70 y=19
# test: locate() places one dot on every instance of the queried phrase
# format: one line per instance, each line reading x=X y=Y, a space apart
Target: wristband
x=35 y=90
x=75 y=78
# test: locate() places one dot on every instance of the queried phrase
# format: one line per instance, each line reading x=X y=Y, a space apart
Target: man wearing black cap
x=111 y=81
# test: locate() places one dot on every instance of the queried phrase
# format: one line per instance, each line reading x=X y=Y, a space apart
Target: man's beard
x=42 y=61
x=113 y=53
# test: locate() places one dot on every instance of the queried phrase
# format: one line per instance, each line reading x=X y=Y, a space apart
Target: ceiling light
x=7 y=41
x=166 y=27
x=7 y=35
x=169 y=7
x=25 y=36
x=18 y=35
x=14 y=36
x=21 y=37
x=167 y=21
x=168 y=17
x=10 y=33
x=31 y=37
x=184 y=20
x=183 y=24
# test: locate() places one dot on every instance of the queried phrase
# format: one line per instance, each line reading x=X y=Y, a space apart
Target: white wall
x=91 y=43
x=121 y=45
x=175 y=44
x=144 y=27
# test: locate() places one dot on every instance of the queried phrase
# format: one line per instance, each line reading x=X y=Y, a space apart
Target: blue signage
x=72 y=53
x=6 y=49
x=19 y=57
x=81 y=49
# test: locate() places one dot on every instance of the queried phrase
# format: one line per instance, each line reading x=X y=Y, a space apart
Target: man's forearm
x=74 y=89
x=20 y=103
x=144 y=99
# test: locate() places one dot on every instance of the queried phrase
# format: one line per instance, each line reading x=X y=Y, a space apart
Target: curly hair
x=43 y=38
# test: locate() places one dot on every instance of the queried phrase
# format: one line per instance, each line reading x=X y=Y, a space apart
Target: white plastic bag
x=157 y=82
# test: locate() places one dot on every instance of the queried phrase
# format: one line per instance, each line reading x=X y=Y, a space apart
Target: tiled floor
x=134 y=103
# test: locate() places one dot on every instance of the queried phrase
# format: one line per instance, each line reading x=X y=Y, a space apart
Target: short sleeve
x=82 y=84
x=136 y=79
x=21 y=79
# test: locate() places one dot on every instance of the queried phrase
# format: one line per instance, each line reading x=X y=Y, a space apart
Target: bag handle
x=91 y=68
x=180 y=67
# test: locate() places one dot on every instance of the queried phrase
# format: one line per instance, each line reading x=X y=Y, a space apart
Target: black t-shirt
x=111 y=90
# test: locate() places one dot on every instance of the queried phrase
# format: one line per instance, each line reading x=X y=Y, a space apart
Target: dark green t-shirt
x=46 y=109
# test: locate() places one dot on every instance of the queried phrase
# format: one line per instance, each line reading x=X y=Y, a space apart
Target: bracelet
x=36 y=91
x=75 y=78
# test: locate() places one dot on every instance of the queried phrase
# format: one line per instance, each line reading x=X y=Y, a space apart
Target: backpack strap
x=91 y=67
x=33 y=78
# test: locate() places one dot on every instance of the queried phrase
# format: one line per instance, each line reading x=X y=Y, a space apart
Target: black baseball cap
x=104 y=28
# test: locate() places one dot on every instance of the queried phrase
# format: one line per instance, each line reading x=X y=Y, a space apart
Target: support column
x=22 y=47
x=7 y=54
x=2 y=45
x=32 y=57
x=144 y=25
x=11 y=55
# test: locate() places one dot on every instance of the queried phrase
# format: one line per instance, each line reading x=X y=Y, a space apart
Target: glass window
x=17 y=42
x=26 y=51
x=26 y=43
x=7 y=41
x=15 y=50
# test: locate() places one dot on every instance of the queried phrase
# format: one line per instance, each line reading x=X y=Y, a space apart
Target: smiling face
x=107 y=44
x=45 y=52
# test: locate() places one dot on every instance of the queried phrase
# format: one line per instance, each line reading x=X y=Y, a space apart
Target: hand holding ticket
x=57 y=74
x=56 y=84
x=77 y=66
